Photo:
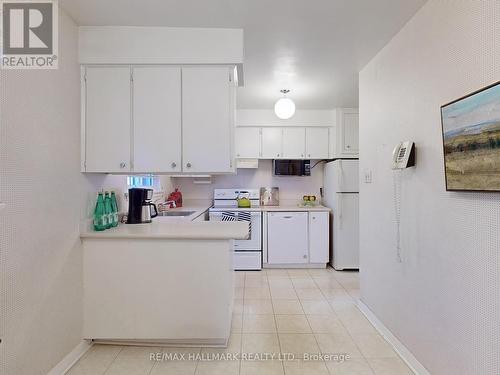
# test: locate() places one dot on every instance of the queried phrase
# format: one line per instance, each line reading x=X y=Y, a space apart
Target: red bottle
x=176 y=196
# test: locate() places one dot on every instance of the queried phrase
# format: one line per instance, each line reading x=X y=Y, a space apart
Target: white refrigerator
x=341 y=194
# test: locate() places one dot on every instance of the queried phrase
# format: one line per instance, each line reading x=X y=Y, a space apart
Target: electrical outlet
x=368 y=176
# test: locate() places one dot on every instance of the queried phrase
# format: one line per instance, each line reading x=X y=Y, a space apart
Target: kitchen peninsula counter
x=201 y=230
x=165 y=282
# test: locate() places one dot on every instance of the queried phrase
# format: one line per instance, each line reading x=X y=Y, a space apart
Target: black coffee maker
x=139 y=206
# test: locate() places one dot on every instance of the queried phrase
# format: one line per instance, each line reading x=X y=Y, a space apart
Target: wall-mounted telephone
x=403 y=155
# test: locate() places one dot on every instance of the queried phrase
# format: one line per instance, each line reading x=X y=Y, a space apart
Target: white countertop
x=286 y=207
x=197 y=207
x=202 y=230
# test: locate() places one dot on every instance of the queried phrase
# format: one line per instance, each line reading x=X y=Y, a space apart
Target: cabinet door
x=247 y=142
x=272 y=141
x=294 y=143
x=317 y=143
x=107 y=119
x=349 y=132
x=318 y=237
x=157 y=119
x=287 y=238
x=346 y=232
x=207 y=120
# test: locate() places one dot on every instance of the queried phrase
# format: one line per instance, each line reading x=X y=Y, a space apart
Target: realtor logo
x=29 y=34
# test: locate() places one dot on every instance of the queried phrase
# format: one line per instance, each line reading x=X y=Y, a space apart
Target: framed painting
x=471 y=141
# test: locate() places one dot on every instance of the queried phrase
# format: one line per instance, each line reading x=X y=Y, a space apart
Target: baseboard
x=398 y=346
x=67 y=362
x=299 y=265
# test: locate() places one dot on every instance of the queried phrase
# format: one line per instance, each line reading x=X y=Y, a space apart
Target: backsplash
x=291 y=187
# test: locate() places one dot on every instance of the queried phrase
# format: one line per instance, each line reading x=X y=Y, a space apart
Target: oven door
x=254 y=242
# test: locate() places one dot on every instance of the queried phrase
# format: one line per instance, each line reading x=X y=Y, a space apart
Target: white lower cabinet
x=318 y=237
x=300 y=238
x=287 y=238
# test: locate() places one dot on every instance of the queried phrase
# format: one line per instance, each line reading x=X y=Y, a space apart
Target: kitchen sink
x=176 y=213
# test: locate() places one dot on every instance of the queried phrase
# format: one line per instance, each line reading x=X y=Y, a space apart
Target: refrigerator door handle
x=340 y=176
x=339 y=196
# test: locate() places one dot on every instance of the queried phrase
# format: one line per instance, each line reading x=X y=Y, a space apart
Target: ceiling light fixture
x=284 y=107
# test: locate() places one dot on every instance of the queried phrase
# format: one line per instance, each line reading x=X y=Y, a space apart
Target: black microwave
x=292 y=167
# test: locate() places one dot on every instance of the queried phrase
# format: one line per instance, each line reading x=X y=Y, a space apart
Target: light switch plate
x=368 y=176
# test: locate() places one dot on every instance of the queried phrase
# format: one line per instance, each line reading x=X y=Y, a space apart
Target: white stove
x=228 y=198
x=247 y=253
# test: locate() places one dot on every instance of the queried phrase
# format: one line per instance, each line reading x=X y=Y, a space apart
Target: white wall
x=302 y=117
x=40 y=183
x=159 y=45
x=443 y=300
x=291 y=188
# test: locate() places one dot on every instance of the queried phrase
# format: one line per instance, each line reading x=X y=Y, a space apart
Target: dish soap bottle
x=100 y=219
x=114 y=209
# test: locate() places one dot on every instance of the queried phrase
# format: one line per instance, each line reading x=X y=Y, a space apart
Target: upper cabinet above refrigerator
x=346 y=137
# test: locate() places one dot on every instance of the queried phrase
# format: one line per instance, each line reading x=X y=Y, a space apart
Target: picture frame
x=470 y=128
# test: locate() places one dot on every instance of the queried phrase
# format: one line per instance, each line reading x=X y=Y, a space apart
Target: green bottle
x=107 y=210
x=114 y=209
x=100 y=219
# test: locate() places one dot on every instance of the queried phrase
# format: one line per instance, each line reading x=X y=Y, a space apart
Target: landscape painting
x=471 y=140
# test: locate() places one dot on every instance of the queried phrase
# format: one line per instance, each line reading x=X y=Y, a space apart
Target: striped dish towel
x=239 y=216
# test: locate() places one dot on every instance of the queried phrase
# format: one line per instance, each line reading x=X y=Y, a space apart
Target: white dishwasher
x=287 y=238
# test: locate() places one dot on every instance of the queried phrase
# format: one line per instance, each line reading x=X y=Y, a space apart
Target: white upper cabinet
x=106 y=119
x=294 y=143
x=317 y=143
x=207 y=120
x=347 y=133
x=283 y=142
x=272 y=143
x=157 y=119
x=247 y=142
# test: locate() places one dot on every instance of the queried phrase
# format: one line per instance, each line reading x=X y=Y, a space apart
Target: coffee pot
x=140 y=207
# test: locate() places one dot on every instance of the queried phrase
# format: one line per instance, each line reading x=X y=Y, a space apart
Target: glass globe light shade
x=284 y=108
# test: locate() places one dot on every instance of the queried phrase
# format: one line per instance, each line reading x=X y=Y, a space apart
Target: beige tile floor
x=276 y=311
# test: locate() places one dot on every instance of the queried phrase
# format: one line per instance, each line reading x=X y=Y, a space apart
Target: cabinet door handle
x=305 y=256
x=278 y=155
x=174 y=164
x=188 y=165
x=287 y=217
x=238 y=155
x=123 y=165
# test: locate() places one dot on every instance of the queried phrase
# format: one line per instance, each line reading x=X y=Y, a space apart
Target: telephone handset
x=403 y=155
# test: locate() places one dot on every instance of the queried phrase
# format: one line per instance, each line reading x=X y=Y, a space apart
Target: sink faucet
x=170 y=204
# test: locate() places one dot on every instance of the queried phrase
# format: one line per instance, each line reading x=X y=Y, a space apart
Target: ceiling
x=315 y=48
